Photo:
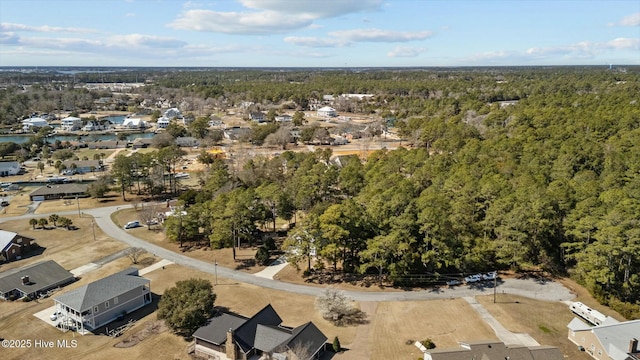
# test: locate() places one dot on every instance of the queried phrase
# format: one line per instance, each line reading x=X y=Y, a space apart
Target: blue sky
x=318 y=33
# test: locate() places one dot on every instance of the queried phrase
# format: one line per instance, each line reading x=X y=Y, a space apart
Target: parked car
x=453 y=282
x=473 y=278
x=490 y=275
x=132 y=224
x=55 y=315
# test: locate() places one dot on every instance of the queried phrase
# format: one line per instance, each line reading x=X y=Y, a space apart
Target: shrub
x=336 y=344
x=428 y=343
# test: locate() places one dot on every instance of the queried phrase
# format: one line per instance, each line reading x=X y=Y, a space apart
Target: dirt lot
x=68 y=248
x=244 y=257
x=544 y=321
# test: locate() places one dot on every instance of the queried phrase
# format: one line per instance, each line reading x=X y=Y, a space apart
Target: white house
x=163 y=122
x=93 y=125
x=327 y=111
x=9 y=168
x=284 y=118
x=133 y=123
x=29 y=123
x=71 y=123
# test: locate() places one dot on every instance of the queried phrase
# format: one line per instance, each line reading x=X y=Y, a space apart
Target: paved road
x=550 y=291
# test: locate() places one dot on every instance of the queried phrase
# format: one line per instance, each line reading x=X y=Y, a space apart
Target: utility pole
x=93 y=228
x=495 y=286
x=78 y=202
x=215 y=267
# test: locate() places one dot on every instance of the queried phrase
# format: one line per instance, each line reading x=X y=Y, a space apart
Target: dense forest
x=548 y=180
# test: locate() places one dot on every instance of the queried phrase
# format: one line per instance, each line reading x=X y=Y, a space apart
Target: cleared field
x=70 y=249
x=224 y=257
x=545 y=321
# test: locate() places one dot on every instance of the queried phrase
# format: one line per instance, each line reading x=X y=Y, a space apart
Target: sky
x=319 y=33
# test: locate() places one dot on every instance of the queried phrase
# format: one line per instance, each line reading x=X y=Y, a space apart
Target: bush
x=336 y=344
x=428 y=343
x=262 y=255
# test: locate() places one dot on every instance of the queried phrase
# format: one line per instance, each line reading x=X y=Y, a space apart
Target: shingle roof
x=5 y=238
x=60 y=189
x=42 y=276
x=615 y=338
x=216 y=330
x=307 y=335
x=246 y=334
x=268 y=338
x=97 y=292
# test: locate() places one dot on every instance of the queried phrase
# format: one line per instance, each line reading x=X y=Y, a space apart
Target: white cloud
x=344 y=38
x=405 y=51
x=267 y=22
x=129 y=15
x=267 y=16
x=146 y=41
x=315 y=42
x=631 y=20
x=378 y=35
x=44 y=28
x=325 y=9
x=624 y=43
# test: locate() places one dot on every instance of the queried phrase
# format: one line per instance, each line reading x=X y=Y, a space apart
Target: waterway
x=20 y=139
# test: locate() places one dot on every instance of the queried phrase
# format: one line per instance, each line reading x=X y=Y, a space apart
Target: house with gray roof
x=612 y=339
x=493 y=350
x=9 y=168
x=58 y=191
x=33 y=280
x=13 y=246
x=103 y=301
x=237 y=337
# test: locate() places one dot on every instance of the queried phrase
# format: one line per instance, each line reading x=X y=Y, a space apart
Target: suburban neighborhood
x=436 y=215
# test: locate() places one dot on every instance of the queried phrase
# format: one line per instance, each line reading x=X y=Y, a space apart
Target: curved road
x=550 y=291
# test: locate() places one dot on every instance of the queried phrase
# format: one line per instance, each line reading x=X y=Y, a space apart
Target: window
x=599 y=352
x=115 y=300
x=106 y=304
x=95 y=309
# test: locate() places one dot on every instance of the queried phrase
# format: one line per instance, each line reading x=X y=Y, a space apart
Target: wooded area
x=549 y=180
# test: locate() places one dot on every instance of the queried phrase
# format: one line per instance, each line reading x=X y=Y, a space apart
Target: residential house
x=240 y=338
x=140 y=143
x=58 y=191
x=33 y=122
x=71 y=123
x=187 y=141
x=105 y=300
x=108 y=144
x=327 y=111
x=13 y=246
x=215 y=121
x=236 y=133
x=163 y=122
x=133 y=123
x=93 y=125
x=172 y=113
x=257 y=116
x=33 y=280
x=284 y=118
x=82 y=166
x=9 y=168
x=611 y=340
x=492 y=350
